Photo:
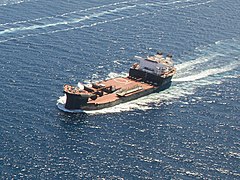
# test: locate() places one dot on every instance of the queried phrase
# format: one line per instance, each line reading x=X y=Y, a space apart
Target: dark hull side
x=148 y=77
x=163 y=84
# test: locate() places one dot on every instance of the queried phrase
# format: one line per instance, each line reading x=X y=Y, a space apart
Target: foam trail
x=95 y=15
x=14 y=2
x=90 y=9
x=68 y=13
x=62 y=30
x=72 y=28
x=169 y=3
x=206 y=73
x=199 y=60
x=85 y=18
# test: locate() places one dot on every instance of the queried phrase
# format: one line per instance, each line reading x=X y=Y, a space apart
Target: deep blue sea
x=189 y=131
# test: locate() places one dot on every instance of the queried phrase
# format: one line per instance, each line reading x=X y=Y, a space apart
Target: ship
x=149 y=75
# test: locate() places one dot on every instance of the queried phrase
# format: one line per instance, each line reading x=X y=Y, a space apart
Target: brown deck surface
x=121 y=83
x=74 y=90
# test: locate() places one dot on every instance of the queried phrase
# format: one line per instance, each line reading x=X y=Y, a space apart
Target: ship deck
x=123 y=85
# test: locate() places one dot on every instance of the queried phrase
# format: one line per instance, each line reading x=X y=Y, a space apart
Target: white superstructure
x=156 y=64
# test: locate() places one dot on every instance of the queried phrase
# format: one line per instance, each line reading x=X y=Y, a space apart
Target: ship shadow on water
x=73 y=118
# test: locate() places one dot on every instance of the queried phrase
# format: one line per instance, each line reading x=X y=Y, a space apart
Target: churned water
x=189 y=131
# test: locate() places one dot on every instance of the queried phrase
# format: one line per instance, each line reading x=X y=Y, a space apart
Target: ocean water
x=190 y=131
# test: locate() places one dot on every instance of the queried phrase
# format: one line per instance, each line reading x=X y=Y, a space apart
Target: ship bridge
x=156 y=64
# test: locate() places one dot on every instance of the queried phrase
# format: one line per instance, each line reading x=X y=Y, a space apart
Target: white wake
x=87 y=18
